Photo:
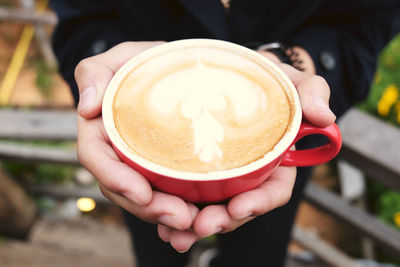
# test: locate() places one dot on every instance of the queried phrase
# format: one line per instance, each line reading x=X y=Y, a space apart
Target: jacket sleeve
x=344 y=41
x=85 y=28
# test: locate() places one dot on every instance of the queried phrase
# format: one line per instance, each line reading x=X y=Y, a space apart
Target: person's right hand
x=117 y=181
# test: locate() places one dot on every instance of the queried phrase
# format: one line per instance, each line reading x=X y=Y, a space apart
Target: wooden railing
x=27 y=14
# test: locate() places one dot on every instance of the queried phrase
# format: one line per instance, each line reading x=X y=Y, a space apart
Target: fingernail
x=246 y=215
x=322 y=105
x=131 y=197
x=169 y=220
x=87 y=98
x=214 y=231
x=183 y=251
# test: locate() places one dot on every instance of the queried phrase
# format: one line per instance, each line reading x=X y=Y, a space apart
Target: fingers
x=215 y=219
x=94 y=73
x=164 y=209
x=181 y=241
x=123 y=185
x=164 y=232
x=273 y=193
x=212 y=220
x=314 y=95
x=92 y=78
x=96 y=155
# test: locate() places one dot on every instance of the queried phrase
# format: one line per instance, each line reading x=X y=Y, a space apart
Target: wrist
x=292 y=55
x=307 y=62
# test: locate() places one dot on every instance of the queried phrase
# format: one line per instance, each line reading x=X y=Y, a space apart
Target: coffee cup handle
x=318 y=155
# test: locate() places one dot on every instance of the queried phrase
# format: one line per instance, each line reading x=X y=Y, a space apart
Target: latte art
x=201 y=109
x=200 y=90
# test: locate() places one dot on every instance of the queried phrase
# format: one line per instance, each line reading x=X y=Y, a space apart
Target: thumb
x=314 y=93
x=92 y=79
x=94 y=73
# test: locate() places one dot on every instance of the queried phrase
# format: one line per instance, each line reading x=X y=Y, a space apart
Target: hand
x=276 y=191
x=117 y=181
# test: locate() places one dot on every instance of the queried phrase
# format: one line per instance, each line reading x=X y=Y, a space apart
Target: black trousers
x=260 y=242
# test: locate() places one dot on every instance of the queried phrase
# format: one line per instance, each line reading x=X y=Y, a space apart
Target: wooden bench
x=373 y=146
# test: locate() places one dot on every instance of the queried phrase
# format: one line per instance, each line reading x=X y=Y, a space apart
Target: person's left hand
x=276 y=191
x=212 y=219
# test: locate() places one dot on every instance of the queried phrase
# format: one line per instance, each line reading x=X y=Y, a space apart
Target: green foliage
x=45 y=203
x=388 y=206
x=384 y=202
x=44 y=80
x=5 y=4
x=40 y=173
x=387 y=74
x=42 y=143
x=46 y=173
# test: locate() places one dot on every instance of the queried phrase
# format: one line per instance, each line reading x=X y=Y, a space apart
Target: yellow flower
x=396 y=218
x=388 y=99
x=397 y=109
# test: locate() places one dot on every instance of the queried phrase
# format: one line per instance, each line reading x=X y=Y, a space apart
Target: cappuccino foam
x=201 y=109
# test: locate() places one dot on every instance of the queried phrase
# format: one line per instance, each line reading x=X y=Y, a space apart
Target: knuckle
x=127 y=44
x=113 y=184
x=318 y=81
x=83 y=67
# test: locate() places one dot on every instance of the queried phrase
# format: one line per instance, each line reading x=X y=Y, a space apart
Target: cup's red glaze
x=208 y=191
x=221 y=185
x=318 y=155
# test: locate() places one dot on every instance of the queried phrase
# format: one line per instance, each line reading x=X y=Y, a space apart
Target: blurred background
x=51 y=209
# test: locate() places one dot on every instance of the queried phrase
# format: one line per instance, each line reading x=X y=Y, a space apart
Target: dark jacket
x=343 y=37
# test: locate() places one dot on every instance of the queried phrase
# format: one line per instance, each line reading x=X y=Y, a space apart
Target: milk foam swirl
x=200 y=109
x=200 y=90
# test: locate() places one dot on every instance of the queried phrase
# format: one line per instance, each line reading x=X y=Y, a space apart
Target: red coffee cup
x=220 y=185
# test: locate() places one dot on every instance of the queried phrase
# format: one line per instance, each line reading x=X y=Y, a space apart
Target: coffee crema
x=201 y=109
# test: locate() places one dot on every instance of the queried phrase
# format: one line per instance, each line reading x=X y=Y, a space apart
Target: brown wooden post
x=17 y=211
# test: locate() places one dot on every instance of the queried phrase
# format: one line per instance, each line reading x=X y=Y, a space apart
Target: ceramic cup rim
x=280 y=148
